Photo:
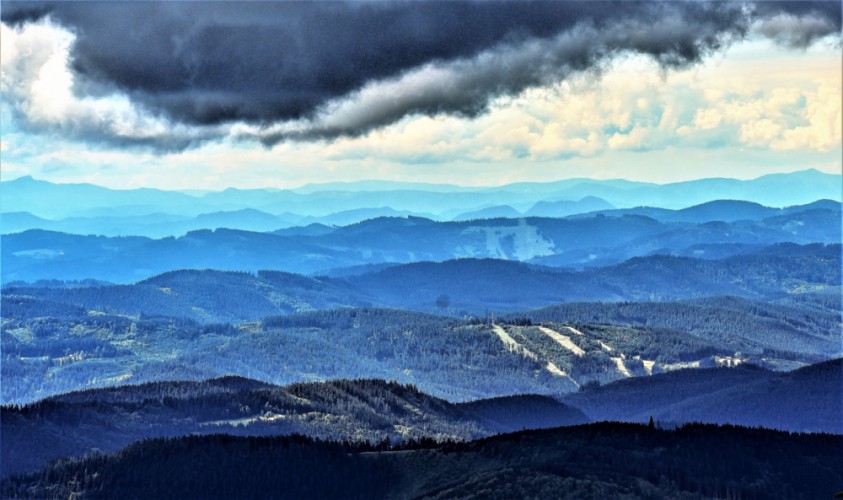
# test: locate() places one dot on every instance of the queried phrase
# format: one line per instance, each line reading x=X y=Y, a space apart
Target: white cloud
x=707 y=119
x=756 y=97
x=38 y=84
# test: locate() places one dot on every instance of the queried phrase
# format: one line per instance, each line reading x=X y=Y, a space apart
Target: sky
x=211 y=95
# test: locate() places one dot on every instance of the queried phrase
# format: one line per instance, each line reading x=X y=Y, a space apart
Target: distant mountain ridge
x=565 y=208
x=470 y=286
x=201 y=324
x=158 y=225
x=580 y=241
x=39 y=198
x=720 y=210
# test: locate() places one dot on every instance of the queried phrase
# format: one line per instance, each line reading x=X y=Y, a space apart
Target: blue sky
x=759 y=105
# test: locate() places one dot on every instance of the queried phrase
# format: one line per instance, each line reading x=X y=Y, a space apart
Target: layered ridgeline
x=464 y=287
x=605 y=460
x=57 y=340
x=711 y=231
x=490 y=310
x=372 y=411
x=32 y=203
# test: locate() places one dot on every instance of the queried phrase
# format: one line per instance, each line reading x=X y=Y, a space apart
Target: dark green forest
x=596 y=460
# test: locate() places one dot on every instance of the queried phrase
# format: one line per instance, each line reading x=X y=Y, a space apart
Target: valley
x=403 y=339
x=329 y=250
x=390 y=414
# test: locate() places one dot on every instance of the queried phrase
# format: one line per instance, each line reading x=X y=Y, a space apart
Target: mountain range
x=139 y=207
x=282 y=328
x=342 y=339
x=352 y=410
x=456 y=287
x=373 y=411
x=600 y=460
x=580 y=241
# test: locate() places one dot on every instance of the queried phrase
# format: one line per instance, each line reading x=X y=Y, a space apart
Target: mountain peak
x=26 y=179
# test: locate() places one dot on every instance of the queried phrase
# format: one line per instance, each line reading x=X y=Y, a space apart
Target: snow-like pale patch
x=605 y=346
x=680 y=366
x=526 y=242
x=403 y=430
x=575 y=331
x=515 y=347
x=552 y=368
x=648 y=365
x=266 y=417
x=512 y=344
x=563 y=341
x=621 y=367
x=117 y=378
x=504 y=336
x=22 y=334
x=231 y=422
x=727 y=361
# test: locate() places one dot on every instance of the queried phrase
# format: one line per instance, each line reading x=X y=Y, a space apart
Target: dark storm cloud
x=203 y=64
x=798 y=24
x=211 y=62
x=17 y=14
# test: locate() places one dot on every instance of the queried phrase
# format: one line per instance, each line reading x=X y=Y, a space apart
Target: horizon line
x=312 y=185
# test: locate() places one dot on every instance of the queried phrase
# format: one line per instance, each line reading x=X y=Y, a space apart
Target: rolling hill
x=456 y=287
x=374 y=411
x=591 y=461
x=597 y=240
x=804 y=400
x=369 y=411
x=61 y=339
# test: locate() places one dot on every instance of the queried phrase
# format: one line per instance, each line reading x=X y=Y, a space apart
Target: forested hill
x=371 y=411
x=457 y=287
x=475 y=286
x=203 y=295
x=721 y=210
x=789 y=322
x=374 y=411
x=50 y=348
x=808 y=399
x=596 y=240
x=603 y=460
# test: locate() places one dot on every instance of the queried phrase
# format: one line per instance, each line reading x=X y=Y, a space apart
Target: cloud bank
x=170 y=75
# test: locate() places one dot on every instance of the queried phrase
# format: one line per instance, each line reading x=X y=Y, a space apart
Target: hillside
x=58 y=340
x=596 y=240
x=455 y=287
x=475 y=286
x=445 y=357
x=373 y=411
x=204 y=295
x=591 y=461
x=804 y=400
x=802 y=324
x=367 y=411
